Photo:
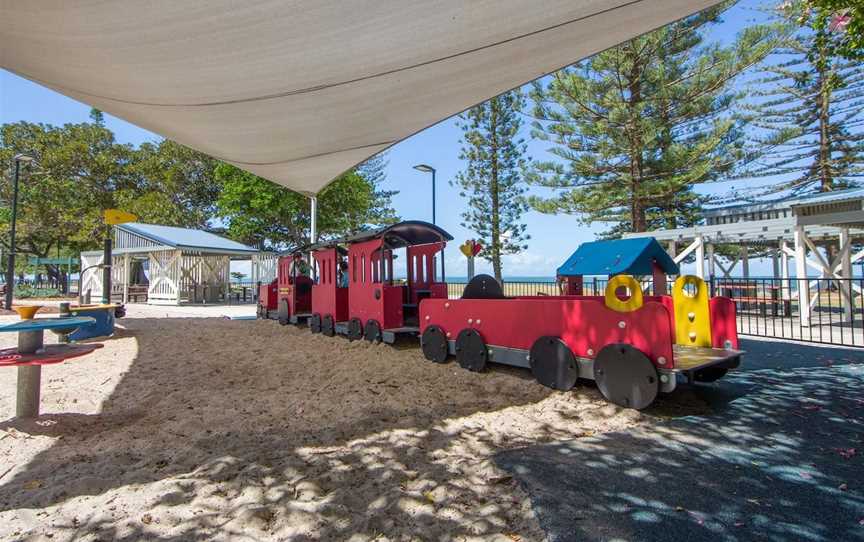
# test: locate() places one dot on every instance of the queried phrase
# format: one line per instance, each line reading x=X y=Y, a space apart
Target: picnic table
x=746 y=294
x=32 y=353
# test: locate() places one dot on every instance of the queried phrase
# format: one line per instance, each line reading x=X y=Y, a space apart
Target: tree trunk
x=638 y=222
x=493 y=185
x=826 y=181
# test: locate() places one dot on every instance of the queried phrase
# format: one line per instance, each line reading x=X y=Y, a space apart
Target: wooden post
x=29 y=383
x=711 y=261
x=801 y=276
x=126 y=259
x=846 y=274
x=29 y=376
x=659 y=277
x=700 y=257
x=785 y=285
x=745 y=262
x=672 y=250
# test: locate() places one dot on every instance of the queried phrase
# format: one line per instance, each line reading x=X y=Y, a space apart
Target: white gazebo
x=790 y=228
x=184 y=265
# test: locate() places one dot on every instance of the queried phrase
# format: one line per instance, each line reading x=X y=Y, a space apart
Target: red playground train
x=632 y=345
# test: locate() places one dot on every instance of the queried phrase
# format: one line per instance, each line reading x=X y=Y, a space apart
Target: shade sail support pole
x=313 y=225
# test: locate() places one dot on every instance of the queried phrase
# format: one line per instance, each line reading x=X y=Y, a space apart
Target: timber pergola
x=790 y=228
x=184 y=265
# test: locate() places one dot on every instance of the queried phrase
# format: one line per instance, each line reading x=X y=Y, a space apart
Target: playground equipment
x=634 y=344
x=31 y=354
x=329 y=299
x=103 y=317
x=470 y=249
x=379 y=307
x=294 y=289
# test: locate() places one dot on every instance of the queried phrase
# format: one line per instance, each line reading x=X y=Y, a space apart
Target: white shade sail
x=300 y=91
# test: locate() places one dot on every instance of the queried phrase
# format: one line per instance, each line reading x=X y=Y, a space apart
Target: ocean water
x=463 y=278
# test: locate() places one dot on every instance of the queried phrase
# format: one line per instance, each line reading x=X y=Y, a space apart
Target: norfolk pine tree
x=807 y=111
x=636 y=127
x=492 y=180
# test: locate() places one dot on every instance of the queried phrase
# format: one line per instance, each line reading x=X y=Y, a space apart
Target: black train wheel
x=553 y=364
x=315 y=323
x=471 y=352
x=283 y=312
x=372 y=333
x=434 y=344
x=625 y=376
x=328 y=327
x=355 y=329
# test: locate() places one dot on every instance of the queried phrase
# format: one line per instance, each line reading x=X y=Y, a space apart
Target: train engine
x=633 y=345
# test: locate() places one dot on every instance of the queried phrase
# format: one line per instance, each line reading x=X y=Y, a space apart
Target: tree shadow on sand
x=260 y=431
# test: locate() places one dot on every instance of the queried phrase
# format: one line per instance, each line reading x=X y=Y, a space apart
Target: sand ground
x=189 y=427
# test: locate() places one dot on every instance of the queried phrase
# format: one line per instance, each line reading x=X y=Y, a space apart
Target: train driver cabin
x=639 y=257
x=380 y=307
x=294 y=288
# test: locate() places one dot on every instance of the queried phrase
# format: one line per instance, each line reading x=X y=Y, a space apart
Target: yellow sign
x=116 y=216
x=470 y=248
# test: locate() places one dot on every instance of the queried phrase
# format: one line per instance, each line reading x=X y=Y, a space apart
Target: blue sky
x=553 y=238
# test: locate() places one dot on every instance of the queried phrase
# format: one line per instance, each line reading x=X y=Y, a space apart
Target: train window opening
x=376 y=267
x=690 y=289
x=354 y=268
x=363 y=268
x=623 y=293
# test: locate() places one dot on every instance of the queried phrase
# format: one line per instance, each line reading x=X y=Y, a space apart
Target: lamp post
x=10 y=267
x=429 y=169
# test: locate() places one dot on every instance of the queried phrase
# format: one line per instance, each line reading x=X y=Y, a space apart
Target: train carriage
x=380 y=307
x=294 y=288
x=329 y=298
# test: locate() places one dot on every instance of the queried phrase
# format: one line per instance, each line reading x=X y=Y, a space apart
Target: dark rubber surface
x=774 y=451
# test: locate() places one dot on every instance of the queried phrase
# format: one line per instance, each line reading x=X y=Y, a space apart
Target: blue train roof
x=620 y=256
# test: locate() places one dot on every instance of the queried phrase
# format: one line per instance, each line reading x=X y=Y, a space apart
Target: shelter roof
x=184 y=239
x=299 y=92
x=619 y=256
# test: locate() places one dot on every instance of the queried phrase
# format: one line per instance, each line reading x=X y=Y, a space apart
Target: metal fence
x=766 y=307
x=833 y=312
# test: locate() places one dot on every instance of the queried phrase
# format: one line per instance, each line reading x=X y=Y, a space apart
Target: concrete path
x=779 y=457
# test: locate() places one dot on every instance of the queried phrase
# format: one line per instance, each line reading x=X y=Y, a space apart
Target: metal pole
x=313 y=227
x=10 y=268
x=106 y=271
x=433 y=196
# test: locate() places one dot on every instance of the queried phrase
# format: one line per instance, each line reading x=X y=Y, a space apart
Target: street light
x=10 y=268
x=429 y=169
